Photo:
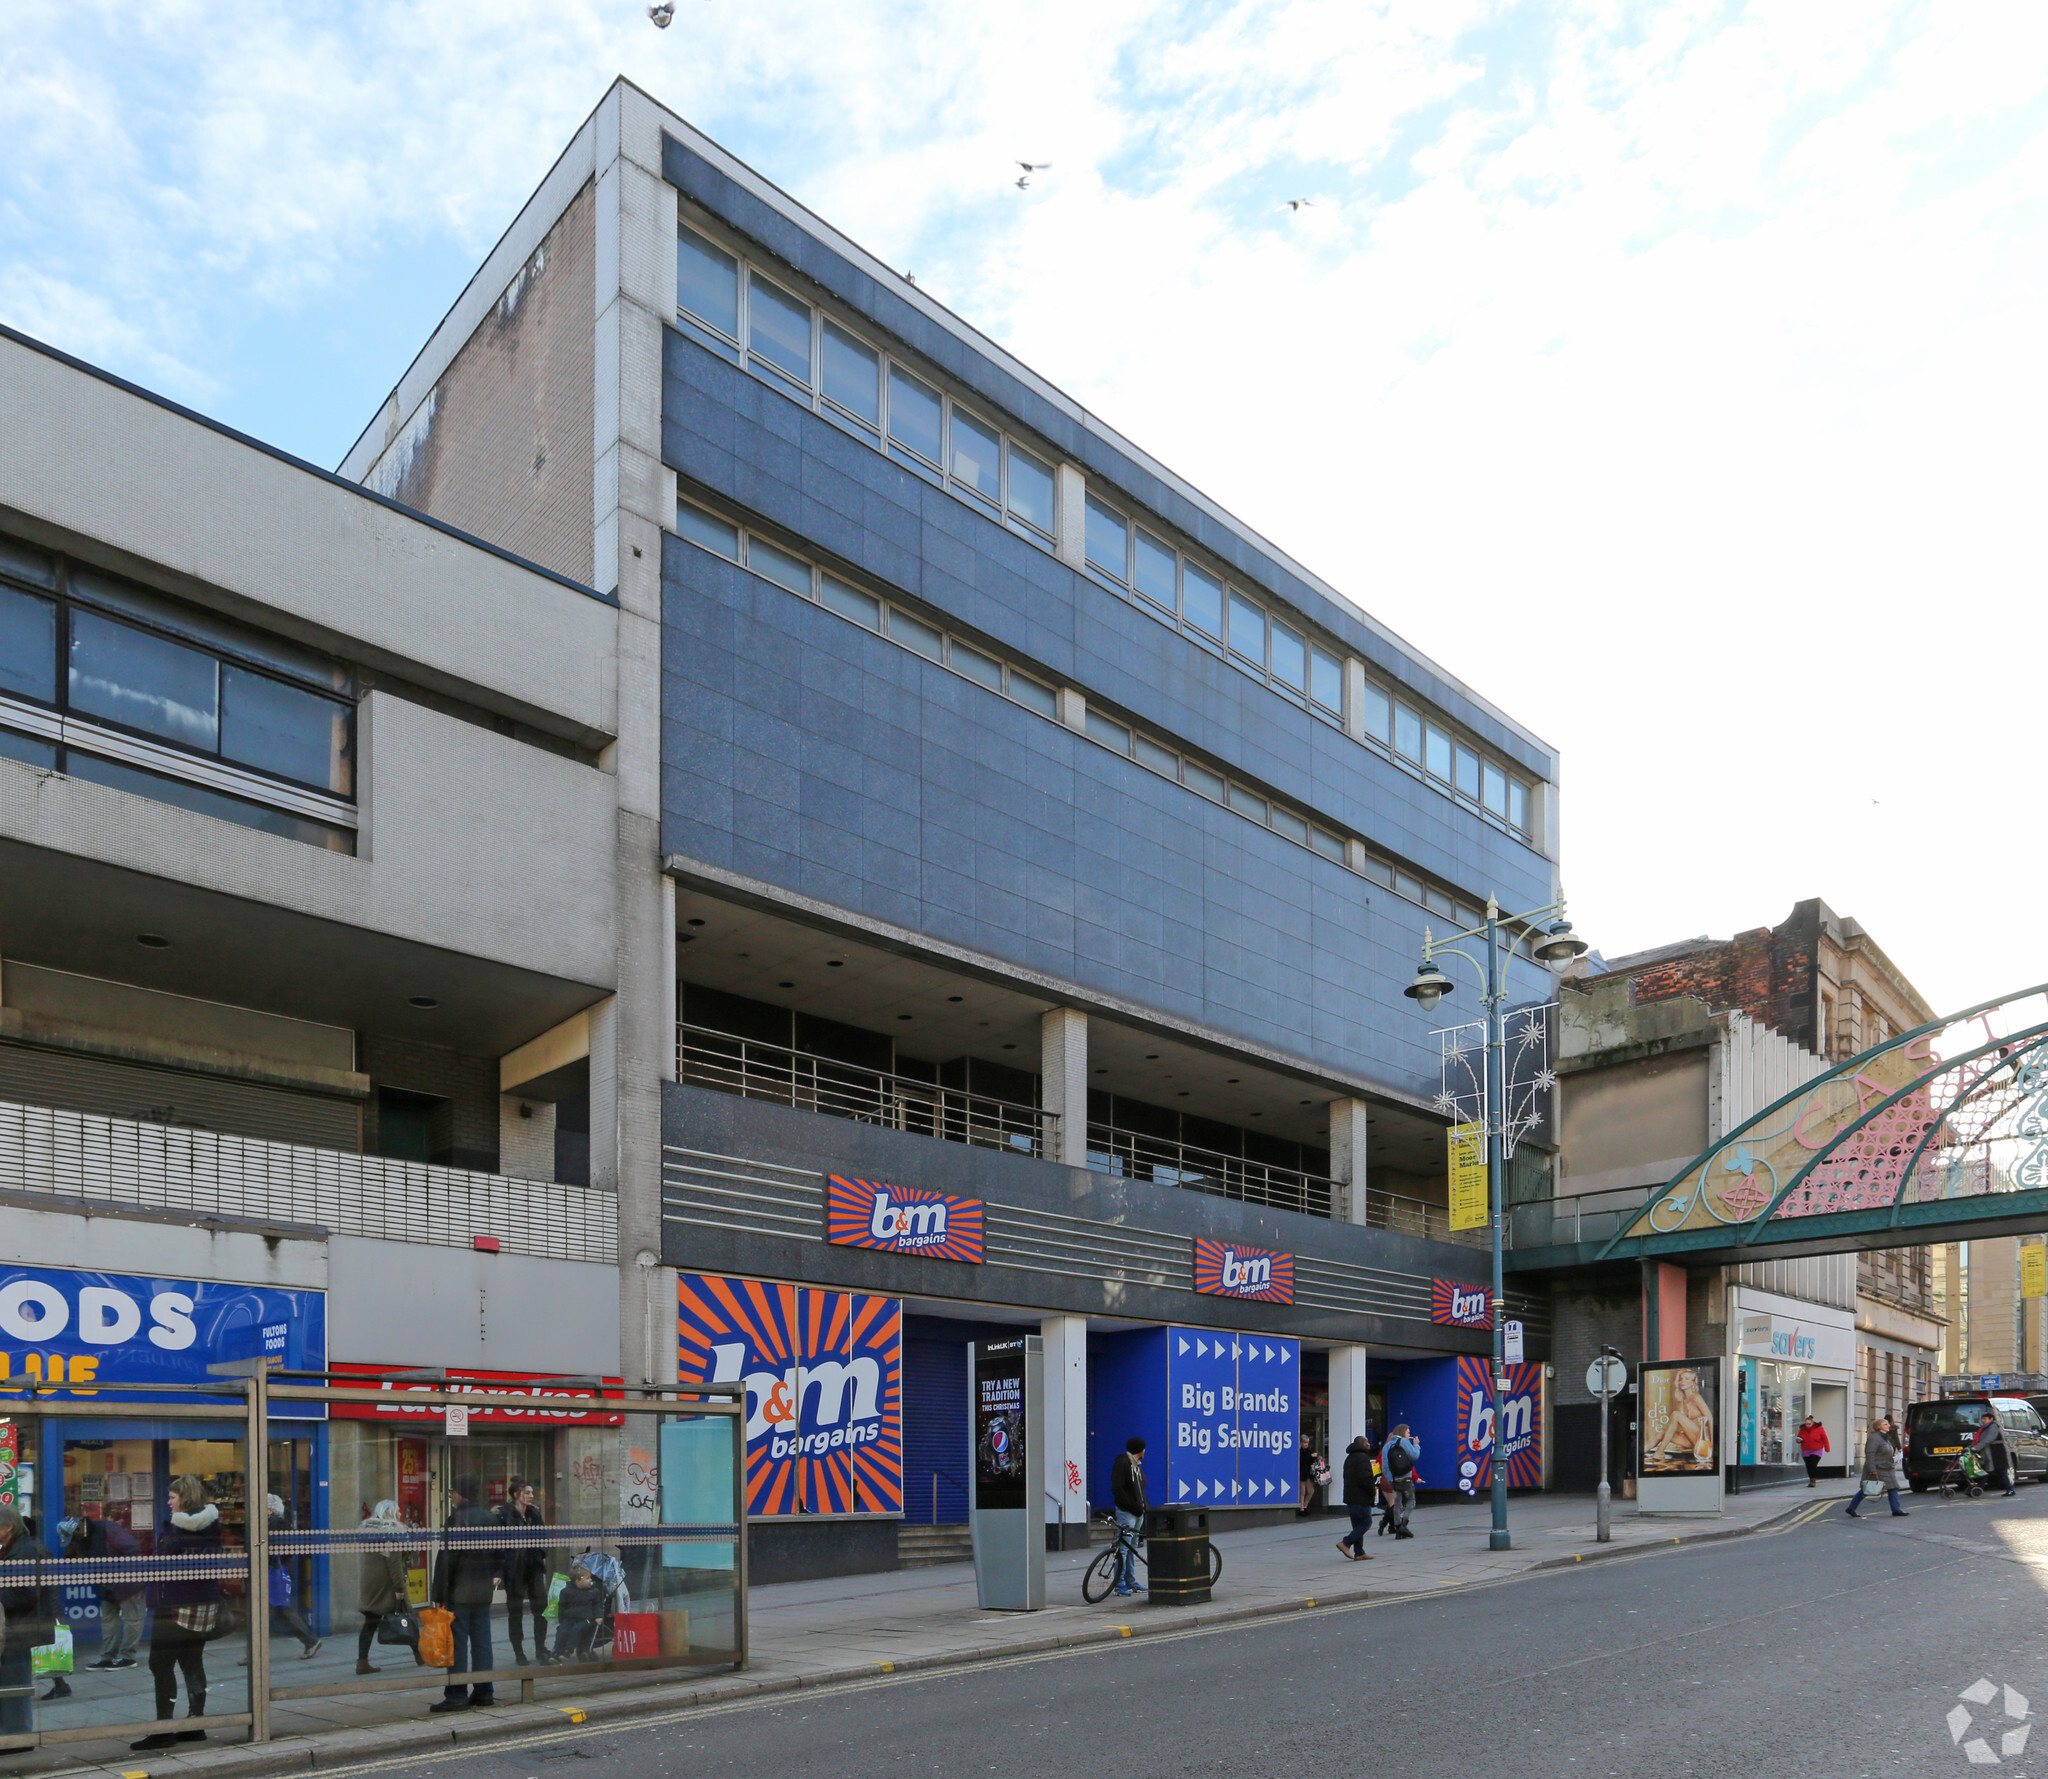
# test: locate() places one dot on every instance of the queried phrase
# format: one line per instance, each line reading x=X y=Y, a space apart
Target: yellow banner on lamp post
x=2034 y=1271
x=1469 y=1208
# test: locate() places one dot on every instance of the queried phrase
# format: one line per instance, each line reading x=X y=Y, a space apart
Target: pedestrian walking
x=60 y=1686
x=1993 y=1452
x=1361 y=1488
x=382 y=1588
x=106 y=1544
x=1813 y=1446
x=1129 y=1502
x=28 y=1608
x=187 y=1608
x=465 y=1579
x=527 y=1570
x=1398 y=1460
x=284 y=1603
x=1880 y=1466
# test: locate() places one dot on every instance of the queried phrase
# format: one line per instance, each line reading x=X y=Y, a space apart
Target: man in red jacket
x=1813 y=1446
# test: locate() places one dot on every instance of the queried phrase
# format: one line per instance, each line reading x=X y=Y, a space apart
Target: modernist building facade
x=1002 y=828
x=744 y=835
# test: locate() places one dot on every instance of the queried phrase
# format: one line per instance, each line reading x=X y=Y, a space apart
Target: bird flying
x=663 y=15
x=1299 y=204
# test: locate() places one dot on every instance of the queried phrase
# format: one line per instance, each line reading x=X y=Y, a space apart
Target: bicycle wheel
x=1215 y=1565
x=1101 y=1576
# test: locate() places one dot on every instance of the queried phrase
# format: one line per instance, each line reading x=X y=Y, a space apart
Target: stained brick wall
x=1767 y=972
x=502 y=446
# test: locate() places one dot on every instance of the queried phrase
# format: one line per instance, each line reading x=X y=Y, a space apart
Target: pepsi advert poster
x=1001 y=1439
x=823 y=1372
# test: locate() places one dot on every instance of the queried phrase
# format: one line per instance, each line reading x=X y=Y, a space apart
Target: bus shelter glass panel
x=124 y=1582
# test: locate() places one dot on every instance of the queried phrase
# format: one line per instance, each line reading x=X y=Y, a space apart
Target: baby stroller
x=1963 y=1474
x=610 y=1580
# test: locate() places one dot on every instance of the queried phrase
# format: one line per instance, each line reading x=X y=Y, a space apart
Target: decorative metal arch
x=1954 y=1108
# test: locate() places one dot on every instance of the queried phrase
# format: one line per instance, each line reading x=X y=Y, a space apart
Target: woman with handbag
x=187 y=1607
x=383 y=1588
x=283 y=1605
x=1880 y=1468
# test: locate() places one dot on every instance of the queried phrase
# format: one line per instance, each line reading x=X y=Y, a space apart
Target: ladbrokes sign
x=823 y=1372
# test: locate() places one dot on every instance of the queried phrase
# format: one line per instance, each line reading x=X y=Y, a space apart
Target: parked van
x=1937 y=1432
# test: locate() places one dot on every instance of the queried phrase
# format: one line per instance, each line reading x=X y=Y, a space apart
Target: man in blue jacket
x=1398 y=1458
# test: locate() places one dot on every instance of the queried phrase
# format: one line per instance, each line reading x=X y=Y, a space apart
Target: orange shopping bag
x=437 y=1637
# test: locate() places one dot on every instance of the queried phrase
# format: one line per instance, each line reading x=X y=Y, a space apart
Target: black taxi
x=1937 y=1432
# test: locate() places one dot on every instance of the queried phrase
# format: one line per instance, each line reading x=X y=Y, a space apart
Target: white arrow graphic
x=1233 y=1349
x=1269 y=1353
x=1286 y=1353
x=1201 y=1489
x=1233 y=1485
x=1183 y=1343
x=1201 y=1349
x=1183 y=1486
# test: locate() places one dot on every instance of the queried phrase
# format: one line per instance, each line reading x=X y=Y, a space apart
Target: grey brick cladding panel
x=694 y=1118
x=803 y=751
x=727 y=433
x=825 y=267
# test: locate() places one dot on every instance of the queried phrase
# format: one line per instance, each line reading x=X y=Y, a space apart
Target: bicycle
x=1101 y=1574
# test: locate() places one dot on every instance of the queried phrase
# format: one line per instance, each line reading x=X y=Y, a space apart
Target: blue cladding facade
x=808 y=753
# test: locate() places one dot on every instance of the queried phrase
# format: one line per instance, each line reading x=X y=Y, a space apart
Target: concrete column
x=1073 y=517
x=1066 y=1430
x=1063 y=1073
x=1347 y=1160
x=1347 y=1411
x=526 y=1138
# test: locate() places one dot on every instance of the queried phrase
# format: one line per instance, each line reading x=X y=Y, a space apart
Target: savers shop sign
x=83 y=1335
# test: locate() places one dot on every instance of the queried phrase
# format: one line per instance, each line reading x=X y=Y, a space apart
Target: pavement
x=820 y=1633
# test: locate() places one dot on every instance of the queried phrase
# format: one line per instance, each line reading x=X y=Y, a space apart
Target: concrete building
x=1667 y=1051
x=1000 y=826
x=308 y=855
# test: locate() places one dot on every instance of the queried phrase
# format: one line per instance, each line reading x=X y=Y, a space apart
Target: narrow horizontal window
x=1331 y=846
x=30 y=750
x=779 y=329
x=1518 y=805
x=1247 y=629
x=708 y=283
x=145 y=682
x=28 y=645
x=1467 y=780
x=1115 y=735
x=916 y=634
x=1496 y=798
x=852 y=374
x=28 y=564
x=1247 y=803
x=1326 y=680
x=1031 y=490
x=1202 y=600
x=779 y=566
x=1108 y=540
x=1436 y=754
x=1438 y=903
x=850 y=602
x=1290 y=658
x=1404 y=885
x=915 y=415
x=1155 y=570
x=982 y=669
x=1285 y=821
x=201 y=801
x=1407 y=734
x=707 y=529
x=1200 y=778
x=1030 y=693
x=1468 y=917
x=977 y=462
x=1161 y=759
x=1379 y=871
x=1375 y=712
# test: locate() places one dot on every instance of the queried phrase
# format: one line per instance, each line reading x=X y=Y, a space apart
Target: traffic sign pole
x=1600 y=1376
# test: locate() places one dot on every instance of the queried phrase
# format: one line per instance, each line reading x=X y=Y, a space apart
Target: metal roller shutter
x=935 y=1443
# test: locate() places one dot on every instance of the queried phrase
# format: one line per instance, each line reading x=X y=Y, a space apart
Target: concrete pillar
x=1063 y=1074
x=1347 y=1160
x=1066 y=1430
x=1347 y=1411
x=526 y=1138
x=1072 y=545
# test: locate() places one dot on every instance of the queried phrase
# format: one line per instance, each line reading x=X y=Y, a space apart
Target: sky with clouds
x=1671 y=373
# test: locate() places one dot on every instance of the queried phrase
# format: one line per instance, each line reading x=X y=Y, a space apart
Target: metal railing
x=757 y=1070
x=1414 y=1216
x=1162 y=1162
x=1584 y=1217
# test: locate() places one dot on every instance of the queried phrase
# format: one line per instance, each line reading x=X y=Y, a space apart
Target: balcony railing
x=1162 y=1162
x=1415 y=1216
x=755 y=1070
x=1584 y=1217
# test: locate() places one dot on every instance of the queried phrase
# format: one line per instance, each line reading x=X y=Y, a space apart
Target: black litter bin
x=1177 y=1555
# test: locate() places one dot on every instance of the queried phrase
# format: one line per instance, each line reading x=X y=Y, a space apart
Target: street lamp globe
x=1556 y=949
x=1429 y=987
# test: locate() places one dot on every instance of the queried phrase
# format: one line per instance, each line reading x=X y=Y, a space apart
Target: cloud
x=1668 y=372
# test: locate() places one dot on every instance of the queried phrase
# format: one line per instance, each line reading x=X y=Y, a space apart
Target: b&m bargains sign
x=903 y=1220
x=1230 y=1269
x=1452 y=1305
x=823 y=1372
x=89 y=1333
